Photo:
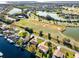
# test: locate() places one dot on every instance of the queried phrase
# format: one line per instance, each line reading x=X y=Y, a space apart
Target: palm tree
x=50 y=52
x=57 y=39
x=50 y=49
x=49 y=36
x=66 y=55
x=49 y=44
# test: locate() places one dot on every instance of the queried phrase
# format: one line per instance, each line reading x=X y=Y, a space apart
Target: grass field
x=39 y=26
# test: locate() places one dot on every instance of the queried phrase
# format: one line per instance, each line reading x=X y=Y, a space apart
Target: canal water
x=11 y=51
x=72 y=32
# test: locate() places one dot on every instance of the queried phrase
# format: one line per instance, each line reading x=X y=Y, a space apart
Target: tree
x=41 y=33
x=32 y=48
x=29 y=30
x=49 y=36
x=50 y=52
x=19 y=42
x=66 y=55
x=67 y=43
x=76 y=48
x=58 y=39
x=22 y=34
x=49 y=44
x=50 y=49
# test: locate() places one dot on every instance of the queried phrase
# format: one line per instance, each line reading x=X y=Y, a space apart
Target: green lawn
x=19 y=42
x=39 y=26
x=36 y=26
x=39 y=41
x=70 y=54
x=38 y=53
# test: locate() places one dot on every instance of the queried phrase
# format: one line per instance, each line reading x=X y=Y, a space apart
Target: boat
x=11 y=41
x=5 y=37
x=16 y=45
x=1 y=35
x=1 y=54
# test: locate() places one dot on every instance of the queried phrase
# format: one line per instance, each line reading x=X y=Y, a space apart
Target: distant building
x=14 y=11
x=9 y=18
x=70 y=10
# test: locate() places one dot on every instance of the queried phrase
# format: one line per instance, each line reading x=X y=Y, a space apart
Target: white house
x=9 y=18
x=14 y=11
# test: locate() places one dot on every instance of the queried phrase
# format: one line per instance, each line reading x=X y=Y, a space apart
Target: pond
x=72 y=32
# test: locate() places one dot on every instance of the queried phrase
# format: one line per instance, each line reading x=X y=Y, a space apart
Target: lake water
x=72 y=32
x=11 y=51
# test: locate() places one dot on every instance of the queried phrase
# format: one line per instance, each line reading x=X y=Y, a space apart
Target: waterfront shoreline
x=15 y=49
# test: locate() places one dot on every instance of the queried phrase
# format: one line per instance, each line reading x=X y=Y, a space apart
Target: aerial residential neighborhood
x=30 y=29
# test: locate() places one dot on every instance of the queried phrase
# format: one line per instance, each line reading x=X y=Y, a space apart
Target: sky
x=3 y=1
x=28 y=0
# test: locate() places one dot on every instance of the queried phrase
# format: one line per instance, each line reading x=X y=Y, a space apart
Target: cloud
x=2 y=2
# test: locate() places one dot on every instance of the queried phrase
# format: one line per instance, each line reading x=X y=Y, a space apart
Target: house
x=76 y=55
x=26 y=39
x=33 y=41
x=32 y=35
x=9 y=18
x=3 y=26
x=58 y=53
x=14 y=11
x=43 y=48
